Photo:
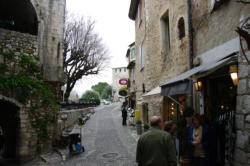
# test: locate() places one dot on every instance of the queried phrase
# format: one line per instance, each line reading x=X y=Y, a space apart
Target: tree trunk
x=69 y=88
x=66 y=95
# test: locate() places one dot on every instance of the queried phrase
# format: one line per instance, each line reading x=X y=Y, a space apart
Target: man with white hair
x=156 y=147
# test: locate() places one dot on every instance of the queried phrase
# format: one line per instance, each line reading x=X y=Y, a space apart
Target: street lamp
x=234 y=74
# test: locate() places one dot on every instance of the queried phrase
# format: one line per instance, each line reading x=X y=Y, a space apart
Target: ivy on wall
x=21 y=77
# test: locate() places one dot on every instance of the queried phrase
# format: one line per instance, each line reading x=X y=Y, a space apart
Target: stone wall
x=51 y=16
x=48 y=46
x=160 y=66
x=214 y=29
x=242 y=152
x=222 y=22
x=20 y=43
x=73 y=115
x=17 y=42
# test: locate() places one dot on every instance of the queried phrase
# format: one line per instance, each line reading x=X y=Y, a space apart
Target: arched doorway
x=18 y=15
x=9 y=124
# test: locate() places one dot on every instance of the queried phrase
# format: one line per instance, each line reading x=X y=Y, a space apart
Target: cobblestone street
x=106 y=141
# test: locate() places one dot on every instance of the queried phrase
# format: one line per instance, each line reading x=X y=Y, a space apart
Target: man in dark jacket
x=156 y=147
x=124 y=116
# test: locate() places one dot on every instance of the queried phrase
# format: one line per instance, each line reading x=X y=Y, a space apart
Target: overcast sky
x=113 y=25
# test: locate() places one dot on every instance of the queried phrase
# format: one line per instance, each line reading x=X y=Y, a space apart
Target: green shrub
x=91 y=96
x=138 y=122
x=146 y=126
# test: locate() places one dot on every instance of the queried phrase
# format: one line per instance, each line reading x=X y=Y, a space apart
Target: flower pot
x=145 y=130
x=139 y=129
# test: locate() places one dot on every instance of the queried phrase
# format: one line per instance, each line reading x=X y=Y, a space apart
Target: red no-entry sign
x=123 y=82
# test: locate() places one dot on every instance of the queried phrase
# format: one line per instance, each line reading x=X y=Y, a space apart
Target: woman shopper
x=198 y=138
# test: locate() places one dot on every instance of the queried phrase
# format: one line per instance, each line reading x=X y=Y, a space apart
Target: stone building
x=161 y=51
x=118 y=74
x=34 y=28
x=215 y=41
x=205 y=65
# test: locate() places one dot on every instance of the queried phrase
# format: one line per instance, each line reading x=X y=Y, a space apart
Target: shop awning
x=154 y=91
x=176 y=88
x=181 y=84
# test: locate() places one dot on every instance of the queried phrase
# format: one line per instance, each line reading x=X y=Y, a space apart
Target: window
x=116 y=70
x=141 y=54
x=132 y=54
x=120 y=70
x=181 y=28
x=133 y=74
x=143 y=88
x=125 y=69
x=165 y=33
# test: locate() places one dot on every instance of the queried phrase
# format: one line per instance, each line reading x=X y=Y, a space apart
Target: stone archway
x=9 y=122
x=18 y=16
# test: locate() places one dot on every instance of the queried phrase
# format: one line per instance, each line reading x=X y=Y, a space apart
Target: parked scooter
x=75 y=145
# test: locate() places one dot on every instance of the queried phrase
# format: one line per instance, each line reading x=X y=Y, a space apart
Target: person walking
x=156 y=147
x=124 y=116
x=198 y=138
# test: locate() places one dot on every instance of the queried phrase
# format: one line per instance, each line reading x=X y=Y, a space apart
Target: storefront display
x=220 y=104
x=173 y=107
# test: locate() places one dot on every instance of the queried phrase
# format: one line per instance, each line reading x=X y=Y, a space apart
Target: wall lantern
x=198 y=85
x=234 y=74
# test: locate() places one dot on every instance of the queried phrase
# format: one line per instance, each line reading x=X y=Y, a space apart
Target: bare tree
x=84 y=52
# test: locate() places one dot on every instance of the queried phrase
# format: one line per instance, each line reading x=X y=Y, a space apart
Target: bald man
x=156 y=147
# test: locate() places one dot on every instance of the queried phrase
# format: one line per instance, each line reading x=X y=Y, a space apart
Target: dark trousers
x=198 y=161
x=124 y=120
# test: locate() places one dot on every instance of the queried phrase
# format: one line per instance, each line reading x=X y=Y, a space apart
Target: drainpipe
x=190 y=48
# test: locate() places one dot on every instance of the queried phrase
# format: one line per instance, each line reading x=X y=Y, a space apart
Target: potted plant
x=139 y=127
x=146 y=127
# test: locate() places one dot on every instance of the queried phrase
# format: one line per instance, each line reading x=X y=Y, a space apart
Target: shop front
x=152 y=104
x=216 y=101
x=173 y=107
x=212 y=88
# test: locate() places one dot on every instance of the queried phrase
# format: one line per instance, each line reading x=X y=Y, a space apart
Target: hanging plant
x=21 y=77
x=123 y=91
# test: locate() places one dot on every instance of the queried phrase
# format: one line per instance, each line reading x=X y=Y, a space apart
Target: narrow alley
x=106 y=141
